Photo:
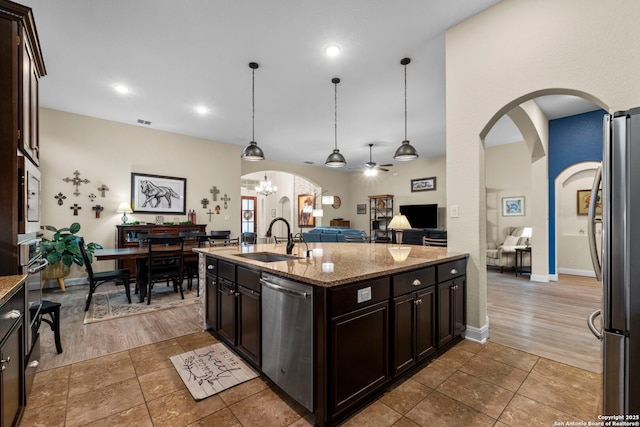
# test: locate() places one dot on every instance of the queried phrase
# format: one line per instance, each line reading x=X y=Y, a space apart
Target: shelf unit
x=380 y=214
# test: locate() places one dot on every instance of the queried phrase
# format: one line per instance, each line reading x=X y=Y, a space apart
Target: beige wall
x=106 y=152
x=512 y=52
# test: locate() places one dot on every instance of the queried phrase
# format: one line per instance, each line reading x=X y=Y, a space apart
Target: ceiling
x=178 y=55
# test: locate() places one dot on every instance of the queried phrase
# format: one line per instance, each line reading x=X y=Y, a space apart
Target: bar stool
x=52 y=309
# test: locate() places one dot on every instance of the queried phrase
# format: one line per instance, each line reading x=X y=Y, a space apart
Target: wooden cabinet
x=127 y=236
x=359 y=343
x=380 y=214
x=21 y=65
x=12 y=358
x=249 y=322
x=452 y=300
x=413 y=321
x=211 y=293
x=340 y=223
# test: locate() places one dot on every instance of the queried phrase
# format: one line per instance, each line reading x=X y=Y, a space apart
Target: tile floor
x=470 y=385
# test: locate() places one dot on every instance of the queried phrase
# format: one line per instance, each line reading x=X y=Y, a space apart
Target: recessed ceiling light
x=201 y=109
x=332 y=50
x=121 y=89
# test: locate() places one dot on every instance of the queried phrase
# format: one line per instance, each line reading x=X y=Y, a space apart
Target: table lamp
x=125 y=208
x=527 y=232
x=398 y=223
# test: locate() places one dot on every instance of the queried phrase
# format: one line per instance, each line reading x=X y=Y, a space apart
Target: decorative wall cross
x=102 y=189
x=210 y=213
x=204 y=202
x=98 y=209
x=225 y=199
x=75 y=208
x=92 y=197
x=76 y=181
x=60 y=198
x=214 y=190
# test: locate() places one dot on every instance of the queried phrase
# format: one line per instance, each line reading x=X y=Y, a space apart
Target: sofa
x=334 y=234
x=504 y=254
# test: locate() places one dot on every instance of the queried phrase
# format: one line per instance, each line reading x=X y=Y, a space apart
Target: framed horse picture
x=158 y=194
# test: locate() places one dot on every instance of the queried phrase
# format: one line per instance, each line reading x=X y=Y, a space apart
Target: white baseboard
x=479 y=335
x=544 y=278
x=575 y=272
x=553 y=277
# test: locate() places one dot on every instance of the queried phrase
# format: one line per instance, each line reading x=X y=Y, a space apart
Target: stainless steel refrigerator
x=617 y=261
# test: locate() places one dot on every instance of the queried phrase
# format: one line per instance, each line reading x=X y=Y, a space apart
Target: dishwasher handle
x=284 y=289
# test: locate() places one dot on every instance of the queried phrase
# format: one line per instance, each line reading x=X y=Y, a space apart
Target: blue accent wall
x=572 y=140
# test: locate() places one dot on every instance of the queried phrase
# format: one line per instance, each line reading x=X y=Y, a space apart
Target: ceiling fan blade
x=382 y=169
x=387 y=165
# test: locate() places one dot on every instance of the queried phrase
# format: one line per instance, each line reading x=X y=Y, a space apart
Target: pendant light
x=335 y=159
x=406 y=151
x=252 y=152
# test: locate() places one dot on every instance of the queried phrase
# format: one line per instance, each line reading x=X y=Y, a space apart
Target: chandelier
x=265 y=188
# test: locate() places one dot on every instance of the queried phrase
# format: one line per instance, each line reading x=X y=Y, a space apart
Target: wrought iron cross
x=75 y=209
x=214 y=190
x=76 y=181
x=102 y=189
x=98 y=209
x=225 y=199
x=210 y=213
x=60 y=198
x=204 y=202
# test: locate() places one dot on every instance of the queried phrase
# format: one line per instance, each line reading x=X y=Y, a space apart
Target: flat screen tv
x=421 y=216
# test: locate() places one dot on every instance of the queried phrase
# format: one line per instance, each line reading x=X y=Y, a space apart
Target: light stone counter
x=8 y=286
x=333 y=264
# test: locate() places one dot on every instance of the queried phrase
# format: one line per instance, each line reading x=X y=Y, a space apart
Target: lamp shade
x=527 y=232
x=252 y=152
x=124 y=207
x=399 y=222
x=327 y=200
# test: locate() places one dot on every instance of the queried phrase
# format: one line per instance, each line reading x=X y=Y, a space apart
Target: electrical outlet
x=453 y=209
x=226 y=217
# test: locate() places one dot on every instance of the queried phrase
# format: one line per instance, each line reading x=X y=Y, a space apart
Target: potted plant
x=62 y=250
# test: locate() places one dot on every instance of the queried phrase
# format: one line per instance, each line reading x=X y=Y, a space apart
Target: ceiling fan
x=371 y=167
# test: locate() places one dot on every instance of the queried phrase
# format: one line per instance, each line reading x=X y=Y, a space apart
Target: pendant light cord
x=253 y=105
x=335 y=115
x=405 y=102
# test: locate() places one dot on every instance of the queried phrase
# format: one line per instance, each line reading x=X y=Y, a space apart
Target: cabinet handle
x=209 y=267
x=34 y=364
x=13 y=314
x=7 y=360
x=237 y=294
x=3 y=368
x=416 y=282
x=420 y=301
x=454 y=271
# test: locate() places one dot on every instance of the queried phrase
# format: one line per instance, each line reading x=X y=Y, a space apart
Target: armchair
x=504 y=254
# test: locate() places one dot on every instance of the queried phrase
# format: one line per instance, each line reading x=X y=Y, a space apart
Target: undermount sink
x=267 y=256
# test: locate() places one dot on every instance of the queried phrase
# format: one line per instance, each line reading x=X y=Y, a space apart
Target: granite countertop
x=9 y=285
x=333 y=264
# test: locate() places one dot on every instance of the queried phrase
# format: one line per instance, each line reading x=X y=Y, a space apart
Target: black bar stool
x=52 y=309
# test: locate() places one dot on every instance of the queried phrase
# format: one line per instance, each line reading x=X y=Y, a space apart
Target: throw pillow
x=510 y=243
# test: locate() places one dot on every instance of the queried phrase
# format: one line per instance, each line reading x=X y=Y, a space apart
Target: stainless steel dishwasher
x=287 y=336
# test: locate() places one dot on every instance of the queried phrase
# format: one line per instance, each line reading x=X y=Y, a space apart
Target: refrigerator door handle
x=592 y=326
x=591 y=223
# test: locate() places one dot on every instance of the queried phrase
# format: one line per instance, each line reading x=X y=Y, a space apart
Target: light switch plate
x=364 y=294
x=453 y=209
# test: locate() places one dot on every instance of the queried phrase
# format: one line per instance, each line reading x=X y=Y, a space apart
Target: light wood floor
x=546 y=319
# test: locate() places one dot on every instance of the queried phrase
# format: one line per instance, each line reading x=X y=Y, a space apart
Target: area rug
x=113 y=304
x=210 y=370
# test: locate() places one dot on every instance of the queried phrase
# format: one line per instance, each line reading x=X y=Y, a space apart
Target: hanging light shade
x=335 y=159
x=252 y=152
x=406 y=151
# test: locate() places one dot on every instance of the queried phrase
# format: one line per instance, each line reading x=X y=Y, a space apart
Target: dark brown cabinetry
x=211 y=293
x=12 y=358
x=359 y=343
x=452 y=300
x=127 y=236
x=249 y=314
x=21 y=65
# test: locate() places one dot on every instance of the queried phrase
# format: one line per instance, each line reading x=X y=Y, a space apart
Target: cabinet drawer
x=413 y=280
x=352 y=297
x=248 y=278
x=11 y=311
x=212 y=265
x=452 y=269
x=227 y=270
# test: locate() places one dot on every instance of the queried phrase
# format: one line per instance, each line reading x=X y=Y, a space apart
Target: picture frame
x=158 y=194
x=583 y=198
x=513 y=206
x=305 y=211
x=361 y=209
x=423 y=184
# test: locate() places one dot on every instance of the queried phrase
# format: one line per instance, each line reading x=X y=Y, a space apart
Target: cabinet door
x=403 y=332
x=249 y=323
x=212 y=302
x=425 y=323
x=445 y=313
x=359 y=348
x=11 y=377
x=460 y=305
x=227 y=311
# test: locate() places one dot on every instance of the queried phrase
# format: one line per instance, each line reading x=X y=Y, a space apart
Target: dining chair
x=248 y=238
x=190 y=259
x=96 y=279
x=434 y=241
x=165 y=261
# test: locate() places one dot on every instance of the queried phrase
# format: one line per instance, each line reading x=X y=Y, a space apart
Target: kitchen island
x=336 y=328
